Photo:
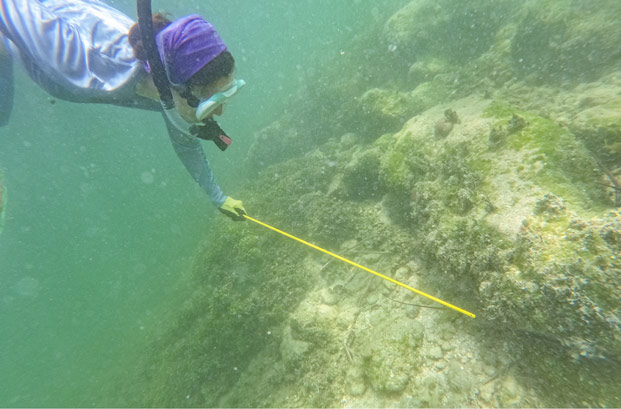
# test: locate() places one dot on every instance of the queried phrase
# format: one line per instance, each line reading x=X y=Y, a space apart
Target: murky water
x=470 y=150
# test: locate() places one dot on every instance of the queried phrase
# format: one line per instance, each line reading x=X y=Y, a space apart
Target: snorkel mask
x=206 y=107
x=209 y=129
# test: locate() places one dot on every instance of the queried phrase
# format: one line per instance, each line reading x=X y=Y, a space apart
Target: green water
x=104 y=223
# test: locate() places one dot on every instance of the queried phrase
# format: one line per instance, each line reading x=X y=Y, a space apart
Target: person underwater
x=88 y=52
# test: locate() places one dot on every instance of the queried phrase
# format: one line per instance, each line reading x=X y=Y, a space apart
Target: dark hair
x=219 y=67
x=160 y=21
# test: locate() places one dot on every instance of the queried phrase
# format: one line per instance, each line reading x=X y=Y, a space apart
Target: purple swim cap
x=186 y=45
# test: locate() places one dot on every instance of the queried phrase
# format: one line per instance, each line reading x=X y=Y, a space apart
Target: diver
x=88 y=52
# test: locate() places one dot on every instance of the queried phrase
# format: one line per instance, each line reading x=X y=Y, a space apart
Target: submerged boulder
x=566 y=41
x=512 y=214
x=440 y=29
x=562 y=280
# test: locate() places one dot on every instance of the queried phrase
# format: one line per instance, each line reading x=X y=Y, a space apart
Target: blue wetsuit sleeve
x=6 y=84
x=190 y=151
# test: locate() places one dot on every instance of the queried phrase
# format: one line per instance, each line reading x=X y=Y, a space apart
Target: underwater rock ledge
x=513 y=214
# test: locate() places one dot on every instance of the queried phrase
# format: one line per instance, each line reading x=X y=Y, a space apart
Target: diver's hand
x=234 y=209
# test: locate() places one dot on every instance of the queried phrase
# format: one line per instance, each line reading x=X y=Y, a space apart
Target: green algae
x=360 y=177
x=583 y=35
x=557 y=161
x=436 y=190
x=419 y=29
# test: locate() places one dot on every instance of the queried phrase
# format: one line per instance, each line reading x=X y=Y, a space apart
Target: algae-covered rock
x=456 y=205
x=429 y=94
x=466 y=193
x=426 y=70
x=581 y=40
x=511 y=214
x=361 y=176
x=563 y=281
x=266 y=146
x=386 y=108
x=384 y=371
x=591 y=111
x=440 y=28
x=292 y=350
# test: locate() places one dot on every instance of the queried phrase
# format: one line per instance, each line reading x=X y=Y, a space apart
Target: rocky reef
x=512 y=213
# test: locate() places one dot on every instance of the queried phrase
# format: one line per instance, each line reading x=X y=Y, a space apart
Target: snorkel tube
x=209 y=129
x=158 y=72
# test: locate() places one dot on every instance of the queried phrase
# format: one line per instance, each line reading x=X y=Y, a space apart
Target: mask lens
x=205 y=108
x=208 y=106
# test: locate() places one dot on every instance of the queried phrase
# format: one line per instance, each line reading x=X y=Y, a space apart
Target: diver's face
x=203 y=92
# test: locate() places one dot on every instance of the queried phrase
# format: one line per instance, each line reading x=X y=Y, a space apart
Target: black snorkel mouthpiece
x=211 y=131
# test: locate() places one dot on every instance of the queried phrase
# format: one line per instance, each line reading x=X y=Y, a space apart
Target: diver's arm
x=190 y=151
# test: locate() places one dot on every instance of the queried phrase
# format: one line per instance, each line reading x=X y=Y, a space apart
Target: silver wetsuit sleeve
x=190 y=151
x=76 y=49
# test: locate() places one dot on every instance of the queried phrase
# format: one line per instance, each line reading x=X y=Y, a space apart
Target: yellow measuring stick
x=419 y=292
